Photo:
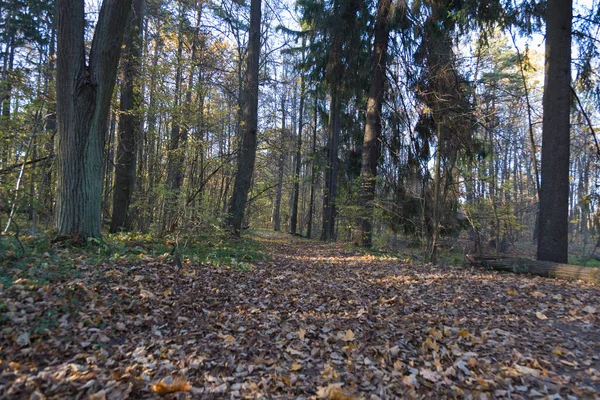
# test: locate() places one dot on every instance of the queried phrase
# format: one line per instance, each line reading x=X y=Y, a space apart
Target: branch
x=261 y=192
x=587 y=118
x=10 y=168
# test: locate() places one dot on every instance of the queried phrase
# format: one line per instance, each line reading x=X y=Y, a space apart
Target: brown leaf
x=179 y=384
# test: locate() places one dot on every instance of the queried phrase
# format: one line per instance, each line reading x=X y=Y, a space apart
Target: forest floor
x=316 y=321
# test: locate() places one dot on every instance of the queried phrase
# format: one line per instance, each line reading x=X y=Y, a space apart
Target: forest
x=340 y=199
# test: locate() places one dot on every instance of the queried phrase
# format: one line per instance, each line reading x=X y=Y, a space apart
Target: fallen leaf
x=347 y=336
x=429 y=375
x=23 y=339
x=541 y=315
x=296 y=367
x=146 y=294
x=178 y=384
x=527 y=371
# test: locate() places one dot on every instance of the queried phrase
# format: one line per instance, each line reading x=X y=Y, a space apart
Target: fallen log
x=541 y=268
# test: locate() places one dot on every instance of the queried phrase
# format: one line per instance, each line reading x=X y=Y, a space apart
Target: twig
x=589 y=122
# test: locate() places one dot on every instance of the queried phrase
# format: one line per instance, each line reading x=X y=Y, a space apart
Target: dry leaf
x=146 y=294
x=347 y=336
x=463 y=333
x=429 y=375
x=296 y=367
x=179 y=384
x=540 y=315
x=589 y=309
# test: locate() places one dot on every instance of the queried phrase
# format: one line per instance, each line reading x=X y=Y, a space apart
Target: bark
x=178 y=137
x=371 y=149
x=554 y=190
x=129 y=122
x=541 y=268
x=247 y=157
x=311 y=202
x=296 y=191
x=331 y=168
x=276 y=214
x=84 y=90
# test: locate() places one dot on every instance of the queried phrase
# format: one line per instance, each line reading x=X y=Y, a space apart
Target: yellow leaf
x=436 y=334
x=228 y=338
x=347 y=336
x=168 y=292
x=430 y=344
x=463 y=333
x=301 y=334
x=179 y=384
x=295 y=367
x=350 y=347
x=512 y=292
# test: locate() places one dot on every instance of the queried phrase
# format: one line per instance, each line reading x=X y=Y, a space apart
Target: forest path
x=318 y=321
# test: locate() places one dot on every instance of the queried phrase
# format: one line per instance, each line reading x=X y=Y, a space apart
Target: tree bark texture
x=370 y=151
x=541 y=268
x=554 y=191
x=129 y=121
x=276 y=214
x=298 y=160
x=84 y=89
x=247 y=157
x=331 y=168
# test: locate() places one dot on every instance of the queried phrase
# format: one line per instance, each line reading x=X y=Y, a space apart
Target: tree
x=370 y=152
x=247 y=156
x=84 y=90
x=129 y=121
x=554 y=190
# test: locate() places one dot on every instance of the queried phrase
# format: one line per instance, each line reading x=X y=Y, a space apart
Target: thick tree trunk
x=370 y=152
x=129 y=121
x=84 y=91
x=554 y=190
x=540 y=268
x=247 y=157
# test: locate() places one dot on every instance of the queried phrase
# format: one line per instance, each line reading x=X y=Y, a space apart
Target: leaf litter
x=319 y=321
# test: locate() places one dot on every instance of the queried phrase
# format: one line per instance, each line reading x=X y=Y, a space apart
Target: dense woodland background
x=438 y=146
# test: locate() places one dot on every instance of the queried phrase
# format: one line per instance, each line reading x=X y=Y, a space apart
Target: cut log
x=541 y=268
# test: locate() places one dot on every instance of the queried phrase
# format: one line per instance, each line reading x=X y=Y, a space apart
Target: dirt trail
x=319 y=321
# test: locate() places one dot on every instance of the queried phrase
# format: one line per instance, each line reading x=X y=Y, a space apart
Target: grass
x=44 y=262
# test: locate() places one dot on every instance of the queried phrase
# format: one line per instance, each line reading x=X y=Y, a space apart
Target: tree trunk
x=84 y=91
x=331 y=168
x=176 y=155
x=541 y=268
x=370 y=151
x=313 y=174
x=276 y=214
x=129 y=121
x=296 y=191
x=247 y=157
x=553 y=242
